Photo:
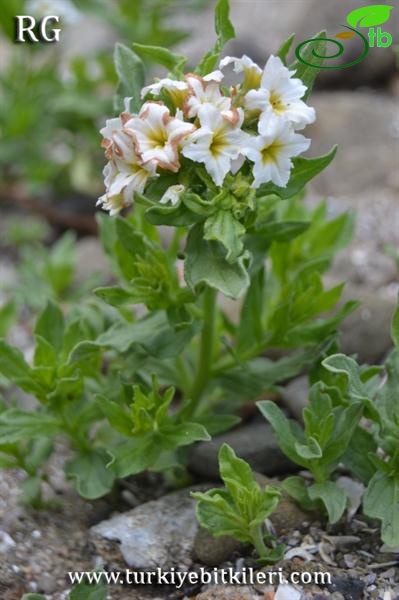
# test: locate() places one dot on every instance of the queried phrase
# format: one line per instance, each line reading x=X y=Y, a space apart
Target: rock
x=366 y=332
x=295 y=396
x=90 y=259
x=357 y=121
x=255 y=442
x=159 y=533
x=351 y=589
x=213 y=551
x=287 y=592
x=262 y=29
x=288 y=516
x=231 y=592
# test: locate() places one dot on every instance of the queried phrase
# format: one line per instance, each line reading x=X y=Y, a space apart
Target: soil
x=38 y=548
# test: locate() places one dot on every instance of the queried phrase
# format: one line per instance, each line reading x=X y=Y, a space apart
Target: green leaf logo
x=369 y=16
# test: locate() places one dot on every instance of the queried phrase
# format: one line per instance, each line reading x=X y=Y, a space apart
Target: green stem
x=206 y=346
x=258 y=542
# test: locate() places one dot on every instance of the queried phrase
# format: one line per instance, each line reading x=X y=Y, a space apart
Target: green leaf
x=395 y=327
x=33 y=597
x=114 y=295
x=130 y=71
x=304 y=170
x=206 y=263
x=14 y=368
x=285 y=48
x=88 y=591
x=316 y=47
x=333 y=498
x=224 y=228
x=153 y=333
x=92 y=477
x=241 y=508
x=310 y=450
x=250 y=328
x=296 y=487
x=182 y=434
x=381 y=501
x=135 y=455
x=282 y=231
x=50 y=325
x=215 y=424
x=116 y=415
x=225 y=32
x=161 y=56
x=7 y=317
x=287 y=432
x=356 y=456
x=369 y=16
x=17 y=425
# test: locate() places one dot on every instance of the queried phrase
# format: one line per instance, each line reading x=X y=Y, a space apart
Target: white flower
x=218 y=142
x=205 y=91
x=157 y=135
x=272 y=154
x=279 y=98
x=172 y=194
x=122 y=179
x=114 y=139
x=252 y=71
x=171 y=85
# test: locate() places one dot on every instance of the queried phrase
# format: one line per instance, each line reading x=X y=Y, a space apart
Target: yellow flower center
x=218 y=143
x=270 y=153
x=158 y=138
x=278 y=105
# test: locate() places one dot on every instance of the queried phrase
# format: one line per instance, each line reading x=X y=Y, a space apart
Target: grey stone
x=159 y=533
x=90 y=259
x=263 y=25
x=213 y=551
x=295 y=396
x=288 y=516
x=223 y=592
x=367 y=331
x=255 y=442
x=365 y=125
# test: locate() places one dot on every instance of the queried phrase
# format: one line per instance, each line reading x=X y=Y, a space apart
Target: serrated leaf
x=206 y=263
x=92 y=477
x=131 y=75
x=381 y=501
x=369 y=16
x=333 y=498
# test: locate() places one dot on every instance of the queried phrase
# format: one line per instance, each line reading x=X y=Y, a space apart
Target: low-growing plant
x=352 y=419
x=241 y=508
x=219 y=169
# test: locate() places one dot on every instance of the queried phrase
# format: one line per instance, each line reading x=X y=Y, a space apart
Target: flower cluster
x=199 y=119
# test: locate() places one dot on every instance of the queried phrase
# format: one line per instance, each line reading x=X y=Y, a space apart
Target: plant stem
x=206 y=346
x=258 y=542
